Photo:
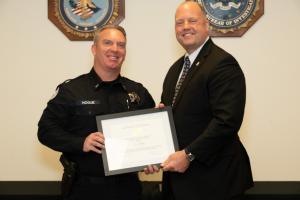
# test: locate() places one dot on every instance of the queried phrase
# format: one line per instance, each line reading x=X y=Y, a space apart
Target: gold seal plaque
x=231 y=18
x=78 y=19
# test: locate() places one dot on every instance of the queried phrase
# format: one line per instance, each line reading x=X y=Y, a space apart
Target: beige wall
x=35 y=57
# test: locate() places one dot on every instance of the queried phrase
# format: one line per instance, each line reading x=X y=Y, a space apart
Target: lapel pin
x=197 y=63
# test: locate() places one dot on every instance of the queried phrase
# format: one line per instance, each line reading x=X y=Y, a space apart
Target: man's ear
x=93 y=48
x=207 y=24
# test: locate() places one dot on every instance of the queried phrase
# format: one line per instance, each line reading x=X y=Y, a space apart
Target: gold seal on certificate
x=136 y=139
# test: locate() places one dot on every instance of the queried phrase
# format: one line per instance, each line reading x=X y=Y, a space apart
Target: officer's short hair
x=108 y=26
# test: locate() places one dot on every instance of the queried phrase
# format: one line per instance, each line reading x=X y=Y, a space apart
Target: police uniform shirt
x=70 y=116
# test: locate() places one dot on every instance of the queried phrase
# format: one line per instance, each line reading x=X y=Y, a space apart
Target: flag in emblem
x=83 y=8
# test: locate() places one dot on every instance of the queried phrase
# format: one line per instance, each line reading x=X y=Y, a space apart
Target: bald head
x=191 y=4
x=191 y=25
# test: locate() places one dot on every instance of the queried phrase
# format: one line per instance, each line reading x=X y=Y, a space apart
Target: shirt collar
x=97 y=81
x=193 y=55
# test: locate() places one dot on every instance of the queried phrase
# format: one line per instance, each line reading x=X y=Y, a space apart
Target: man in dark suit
x=207 y=93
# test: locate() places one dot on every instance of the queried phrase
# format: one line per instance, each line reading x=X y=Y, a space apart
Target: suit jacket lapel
x=193 y=70
x=172 y=81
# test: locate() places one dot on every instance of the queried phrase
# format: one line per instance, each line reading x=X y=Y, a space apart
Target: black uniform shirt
x=70 y=116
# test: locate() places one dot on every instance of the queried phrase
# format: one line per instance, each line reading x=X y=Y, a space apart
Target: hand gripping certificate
x=136 y=139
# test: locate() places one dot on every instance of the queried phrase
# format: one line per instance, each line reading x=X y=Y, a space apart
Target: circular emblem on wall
x=78 y=19
x=232 y=17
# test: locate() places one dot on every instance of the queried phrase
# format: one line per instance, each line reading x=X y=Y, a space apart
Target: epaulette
x=65 y=82
x=57 y=88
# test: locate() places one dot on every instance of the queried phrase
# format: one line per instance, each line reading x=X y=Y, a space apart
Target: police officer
x=68 y=123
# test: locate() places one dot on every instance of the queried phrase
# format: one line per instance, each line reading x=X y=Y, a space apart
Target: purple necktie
x=186 y=67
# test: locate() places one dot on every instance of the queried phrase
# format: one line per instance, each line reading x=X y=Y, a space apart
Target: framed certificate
x=136 y=139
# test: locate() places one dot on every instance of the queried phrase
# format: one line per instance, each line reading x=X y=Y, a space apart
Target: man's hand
x=151 y=169
x=160 y=105
x=176 y=162
x=94 y=142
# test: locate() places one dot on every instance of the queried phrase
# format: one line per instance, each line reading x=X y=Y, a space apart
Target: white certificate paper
x=136 y=139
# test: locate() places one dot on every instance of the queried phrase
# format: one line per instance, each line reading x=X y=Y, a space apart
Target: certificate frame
x=126 y=152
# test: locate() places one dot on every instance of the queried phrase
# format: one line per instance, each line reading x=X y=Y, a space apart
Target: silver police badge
x=232 y=17
x=134 y=97
x=78 y=19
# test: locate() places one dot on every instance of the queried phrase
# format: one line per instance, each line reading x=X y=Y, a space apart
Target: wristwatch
x=189 y=155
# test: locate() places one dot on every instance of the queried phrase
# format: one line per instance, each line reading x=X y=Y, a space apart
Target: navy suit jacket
x=208 y=113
